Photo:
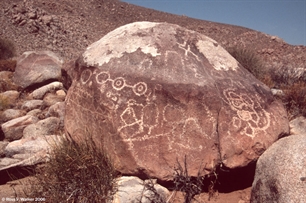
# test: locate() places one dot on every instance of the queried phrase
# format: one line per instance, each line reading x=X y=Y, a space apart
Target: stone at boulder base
x=10 y=114
x=40 y=92
x=29 y=105
x=281 y=172
x=153 y=93
x=298 y=126
x=132 y=189
x=28 y=151
x=48 y=126
x=13 y=129
x=37 y=67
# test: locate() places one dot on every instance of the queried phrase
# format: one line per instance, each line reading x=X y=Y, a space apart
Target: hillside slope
x=69 y=26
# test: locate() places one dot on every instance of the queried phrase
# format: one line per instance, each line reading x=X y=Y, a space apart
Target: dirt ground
x=14 y=191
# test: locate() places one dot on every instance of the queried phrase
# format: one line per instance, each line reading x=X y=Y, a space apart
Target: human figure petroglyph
x=186 y=48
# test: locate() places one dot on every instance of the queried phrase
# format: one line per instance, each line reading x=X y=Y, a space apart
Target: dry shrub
x=294 y=98
x=192 y=186
x=7 y=49
x=154 y=196
x=75 y=173
x=250 y=61
x=4 y=102
x=7 y=65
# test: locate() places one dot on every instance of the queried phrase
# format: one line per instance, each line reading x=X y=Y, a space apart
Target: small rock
x=28 y=152
x=57 y=110
x=3 y=144
x=61 y=93
x=40 y=92
x=13 y=129
x=47 y=19
x=10 y=114
x=132 y=189
x=298 y=126
x=277 y=92
x=34 y=112
x=4 y=162
x=51 y=99
x=48 y=126
x=8 y=99
x=22 y=23
x=32 y=104
x=32 y=15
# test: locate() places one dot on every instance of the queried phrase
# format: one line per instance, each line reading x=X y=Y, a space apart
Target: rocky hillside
x=67 y=27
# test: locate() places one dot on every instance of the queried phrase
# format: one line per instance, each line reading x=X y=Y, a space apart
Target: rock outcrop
x=281 y=172
x=36 y=68
x=152 y=93
x=33 y=122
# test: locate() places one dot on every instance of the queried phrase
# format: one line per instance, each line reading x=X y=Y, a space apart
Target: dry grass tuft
x=8 y=65
x=4 y=102
x=249 y=60
x=294 y=99
x=7 y=49
x=75 y=173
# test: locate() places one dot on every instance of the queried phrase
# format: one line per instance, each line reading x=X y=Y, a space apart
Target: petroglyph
x=139 y=121
x=248 y=111
x=162 y=92
x=186 y=48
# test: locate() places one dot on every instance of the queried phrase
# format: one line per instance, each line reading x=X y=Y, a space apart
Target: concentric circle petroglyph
x=119 y=83
x=140 y=88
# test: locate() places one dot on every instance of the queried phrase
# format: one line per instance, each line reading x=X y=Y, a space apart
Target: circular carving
x=140 y=88
x=102 y=77
x=118 y=83
x=85 y=76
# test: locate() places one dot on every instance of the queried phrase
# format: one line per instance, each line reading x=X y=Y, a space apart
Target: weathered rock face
x=37 y=67
x=152 y=93
x=281 y=172
x=298 y=126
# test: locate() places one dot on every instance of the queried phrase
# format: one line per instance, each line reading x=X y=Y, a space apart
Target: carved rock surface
x=281 y=172
x=37 y=67
x=152 y=93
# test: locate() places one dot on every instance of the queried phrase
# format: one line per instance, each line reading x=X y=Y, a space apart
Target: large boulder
x=281 y=172
x=36 y=67
x=151 y=93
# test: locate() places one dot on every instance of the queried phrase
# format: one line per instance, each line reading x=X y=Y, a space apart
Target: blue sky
x=283 y=18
